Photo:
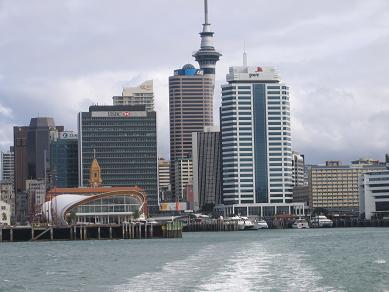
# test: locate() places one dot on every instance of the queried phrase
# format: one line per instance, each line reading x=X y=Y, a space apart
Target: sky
x=59 y=57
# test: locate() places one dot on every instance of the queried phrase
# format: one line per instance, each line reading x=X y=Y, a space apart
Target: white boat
x=244 y=223
x=300 y=224
x=321 y=221
x=262 y=224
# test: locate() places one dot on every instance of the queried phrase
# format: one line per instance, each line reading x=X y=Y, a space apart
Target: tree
x=136 y=214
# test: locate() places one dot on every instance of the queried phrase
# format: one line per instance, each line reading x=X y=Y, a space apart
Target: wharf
x=132 y=230
x=211 y=226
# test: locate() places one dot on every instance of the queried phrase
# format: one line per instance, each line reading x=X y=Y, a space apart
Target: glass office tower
x=123 y=138
x=256 y=137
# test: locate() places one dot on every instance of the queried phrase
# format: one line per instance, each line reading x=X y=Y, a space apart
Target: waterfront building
x=140 y=95
x=36 y=196
x=5 y=213
x=206 y=168
x=298 y=169
x=94 y=204
x=256 y=144
x=256 y=137
x=335 y=186
x=20 y=161
x=123 y=139
x=374 y=194
x=191 y=109
x=7 y=195
x=64 y=160
x=183 y=171
x=8 y=165
x=40 y=133
x=100 y=205
x=164 y=178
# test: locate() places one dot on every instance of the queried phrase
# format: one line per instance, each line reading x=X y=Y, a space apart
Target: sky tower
x=207 y=56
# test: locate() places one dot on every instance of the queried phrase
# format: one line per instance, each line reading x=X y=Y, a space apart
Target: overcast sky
x=59 y=57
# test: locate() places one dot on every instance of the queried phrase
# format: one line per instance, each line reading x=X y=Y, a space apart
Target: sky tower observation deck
x=207 y=56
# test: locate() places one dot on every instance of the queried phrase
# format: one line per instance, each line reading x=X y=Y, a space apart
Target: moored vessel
x=300 y=224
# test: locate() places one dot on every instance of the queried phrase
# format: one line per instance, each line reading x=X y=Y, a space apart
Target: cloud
x=57 y=58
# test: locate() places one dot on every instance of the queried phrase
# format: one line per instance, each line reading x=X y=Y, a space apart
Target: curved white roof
x=54 y=210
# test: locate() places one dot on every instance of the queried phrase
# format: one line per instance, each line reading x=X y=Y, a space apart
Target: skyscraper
x=298 y=169
x=140 y=95
x=190 y=106
x=40 y=133
x=256 y=137
x=164 y=178
x=123 y=139
x=7 y=165
x=206 y=168
x=20 y=152
x=64 y=160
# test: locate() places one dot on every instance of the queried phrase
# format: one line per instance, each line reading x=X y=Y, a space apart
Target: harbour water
x=339 y=259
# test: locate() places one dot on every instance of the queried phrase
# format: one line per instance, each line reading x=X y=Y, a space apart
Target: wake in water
x=234 y=266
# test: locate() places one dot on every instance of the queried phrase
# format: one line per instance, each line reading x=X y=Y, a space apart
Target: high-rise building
x=183 y=171
x=64 y=160
x=140 y=95
x=190 y=100
x=163 y=178
x=40 y=132
x=8 y=165
x=374 y=194
x=206 y=168
x=335 y=187
x=20 y=150
x=123 y=139
x=256 y=137
x=297 y=169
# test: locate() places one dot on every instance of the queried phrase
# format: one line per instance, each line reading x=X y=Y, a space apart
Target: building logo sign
x=258 y=69
x=119 y=114
x=68 y=135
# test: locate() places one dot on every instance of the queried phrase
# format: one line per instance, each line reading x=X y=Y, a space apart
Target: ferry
x=300 y=224
x=262 y=224
x=244 y=223
x=321 y=221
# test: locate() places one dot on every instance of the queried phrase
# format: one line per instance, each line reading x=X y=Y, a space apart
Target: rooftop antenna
x=244 y=54
x=94 y=153
x=205 y=11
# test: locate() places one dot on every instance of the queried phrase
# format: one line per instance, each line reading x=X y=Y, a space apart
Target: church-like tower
x=207 y=56
x=95 y=174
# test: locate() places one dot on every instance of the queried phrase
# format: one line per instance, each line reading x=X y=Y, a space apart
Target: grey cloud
x=58 y=57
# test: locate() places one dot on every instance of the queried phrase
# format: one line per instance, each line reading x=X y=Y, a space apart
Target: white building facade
x=7 y=166
x=5 y=213
x=142 y=94
x=297 y=169
x=374 y=194
x=256 y=137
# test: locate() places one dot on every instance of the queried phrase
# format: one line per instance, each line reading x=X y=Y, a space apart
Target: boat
x=244 y=223
x=321 y=221
x=300 y=224
x=262 y=224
